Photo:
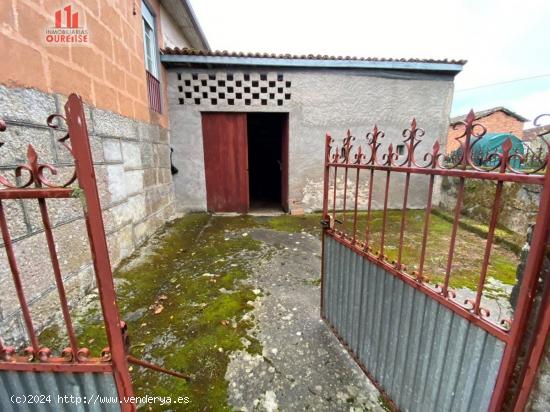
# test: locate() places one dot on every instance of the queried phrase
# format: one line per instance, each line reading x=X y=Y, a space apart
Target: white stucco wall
x=320 y=101
x=172 y=35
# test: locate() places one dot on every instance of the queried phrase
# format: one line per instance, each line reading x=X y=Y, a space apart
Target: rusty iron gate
x=100 y=381
x=423 y=345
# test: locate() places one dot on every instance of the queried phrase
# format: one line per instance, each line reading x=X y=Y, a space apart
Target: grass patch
x=468 y=251
x=503 y=236
x=309 y=223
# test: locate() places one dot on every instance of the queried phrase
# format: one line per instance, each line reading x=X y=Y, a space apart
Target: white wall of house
x=318 y=101
x=172 y=35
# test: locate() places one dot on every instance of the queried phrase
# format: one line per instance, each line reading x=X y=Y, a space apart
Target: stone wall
x=132 y=164
x=317 y=101
x=519 y=207
x=539 y=400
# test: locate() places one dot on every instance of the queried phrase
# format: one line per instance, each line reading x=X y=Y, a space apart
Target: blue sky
x=504 y=41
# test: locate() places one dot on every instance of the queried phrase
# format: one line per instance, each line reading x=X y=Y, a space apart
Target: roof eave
x=171 y=60
x=189 y=10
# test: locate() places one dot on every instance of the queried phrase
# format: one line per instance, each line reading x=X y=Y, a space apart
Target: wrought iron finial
x=33 y=173
x=470 y=155
x=347 y=146
x=373 y=142
x=412 y=140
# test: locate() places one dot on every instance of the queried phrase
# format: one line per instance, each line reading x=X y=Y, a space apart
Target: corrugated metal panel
x=426 y=357
x=83 y=386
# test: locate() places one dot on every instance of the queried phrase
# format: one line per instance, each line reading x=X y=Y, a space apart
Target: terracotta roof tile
x=196 y=52
x=484 y=113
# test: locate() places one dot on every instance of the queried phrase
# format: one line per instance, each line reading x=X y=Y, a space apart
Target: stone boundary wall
x=519 y=207
x=539 y=399
x=132 y=164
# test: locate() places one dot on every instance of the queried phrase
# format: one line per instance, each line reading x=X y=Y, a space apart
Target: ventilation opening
x=265 y=162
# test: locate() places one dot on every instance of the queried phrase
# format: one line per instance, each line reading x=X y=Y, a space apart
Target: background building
x=265 y=145
x=497 y=119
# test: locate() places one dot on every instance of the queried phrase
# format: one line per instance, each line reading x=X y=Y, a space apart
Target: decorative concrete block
x=12 y=329
x=9 y=302
x=148 y=132
x=121 y=149
x=164 y=136
x=59 y=211
x=149 y=177
x=72 y=245
x=157 y=198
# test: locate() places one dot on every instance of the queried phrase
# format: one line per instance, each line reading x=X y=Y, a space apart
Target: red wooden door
x=225 y=161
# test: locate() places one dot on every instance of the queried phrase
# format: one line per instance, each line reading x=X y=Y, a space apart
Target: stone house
x=497 y=119
x=116 y=70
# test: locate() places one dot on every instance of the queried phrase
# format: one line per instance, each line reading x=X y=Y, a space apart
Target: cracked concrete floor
x=302 y=366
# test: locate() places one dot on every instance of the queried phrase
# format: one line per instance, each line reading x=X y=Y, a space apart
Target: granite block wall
x=132 y=164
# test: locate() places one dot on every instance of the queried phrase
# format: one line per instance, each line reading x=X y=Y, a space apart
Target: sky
x=506 y=42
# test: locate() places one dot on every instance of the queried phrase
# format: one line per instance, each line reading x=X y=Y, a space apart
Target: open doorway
x=267 y=157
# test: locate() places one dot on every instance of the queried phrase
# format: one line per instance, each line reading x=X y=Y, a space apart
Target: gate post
x=80 y=144
x=525 y=299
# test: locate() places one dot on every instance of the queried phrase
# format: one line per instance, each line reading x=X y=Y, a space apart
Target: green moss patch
x=185 y=298
x=184 y=301
x=468 y=251
x=309 y=223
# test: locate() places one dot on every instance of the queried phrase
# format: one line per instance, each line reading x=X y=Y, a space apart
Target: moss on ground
x=186 y=305
x=286 y=223
x=184 y=301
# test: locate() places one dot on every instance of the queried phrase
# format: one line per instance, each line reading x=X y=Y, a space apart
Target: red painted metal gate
x=76 y=369
x=424 y=346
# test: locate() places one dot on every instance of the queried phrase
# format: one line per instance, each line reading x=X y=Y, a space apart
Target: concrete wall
x=132 y=166
x=318 y=101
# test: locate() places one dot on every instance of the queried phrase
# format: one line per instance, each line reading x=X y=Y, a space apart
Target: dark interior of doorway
x=265 y=138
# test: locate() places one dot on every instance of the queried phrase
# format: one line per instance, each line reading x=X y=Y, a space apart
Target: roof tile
x=195 y=52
